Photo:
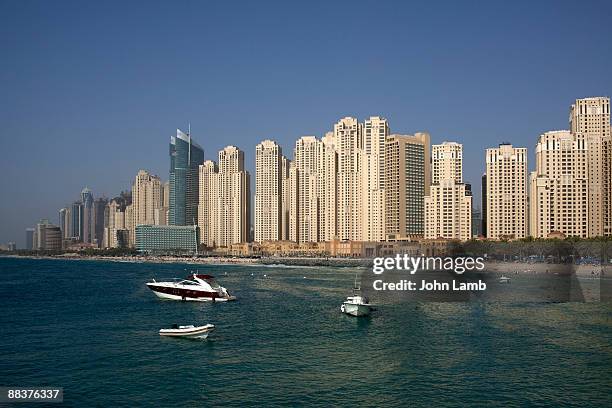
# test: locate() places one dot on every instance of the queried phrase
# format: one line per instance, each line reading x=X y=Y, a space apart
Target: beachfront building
x=47 y=237
x=268 y=191
x=224 y=199
x=167 y=238
x=407 y=182
x=448 y=206
x=590 y=118
x=348 y=135
x=559 y=186
x=375 y=133
x=185 y=158
x=506 y=192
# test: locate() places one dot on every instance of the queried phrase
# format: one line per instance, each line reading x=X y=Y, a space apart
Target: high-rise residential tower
x=224 y=200
x=99 y=220
x=308 y=162
x=375 y=133
x=559 y=186
x=87 y=222
x=147 y=197
x=328 y=189
x=64 y=218
x=590 y=117
x=448 y=207
x=407 y=182
x=185 y=158
x=268 y=191
x=76 y=230
x=348 y=135
x=29 y=239
x=506 y=192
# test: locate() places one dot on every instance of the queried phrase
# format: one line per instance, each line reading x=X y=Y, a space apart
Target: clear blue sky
x=92 y=91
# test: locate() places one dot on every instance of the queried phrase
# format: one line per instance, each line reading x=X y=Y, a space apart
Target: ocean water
x=92 y=328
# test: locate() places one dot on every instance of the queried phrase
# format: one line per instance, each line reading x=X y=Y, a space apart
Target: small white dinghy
x=190 y=331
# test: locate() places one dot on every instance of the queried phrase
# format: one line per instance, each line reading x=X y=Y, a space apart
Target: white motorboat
x=196 y=287
x=188 y=331
x=504 y=279
x=356 y=305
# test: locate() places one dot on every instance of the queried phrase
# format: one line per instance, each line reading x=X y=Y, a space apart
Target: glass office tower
x=185 y=159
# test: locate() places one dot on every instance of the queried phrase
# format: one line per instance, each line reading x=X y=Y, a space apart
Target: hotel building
x=224 y=200
x=407 y=182
x=268 y=191
x=375 y=133
x=559 y=186
x=348 y=135
x=185 y=159
x=506 y=192
x=590 y=117
x=147 y=196
x=448 y=207
x=305 y=179
x=167 y=238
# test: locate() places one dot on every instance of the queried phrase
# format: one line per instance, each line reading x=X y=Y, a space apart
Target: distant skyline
x=92 y=92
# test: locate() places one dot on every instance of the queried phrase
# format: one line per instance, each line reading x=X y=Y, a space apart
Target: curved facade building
x=185 y=159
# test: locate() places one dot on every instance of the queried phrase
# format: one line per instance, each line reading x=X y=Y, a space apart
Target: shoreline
x=494 y=267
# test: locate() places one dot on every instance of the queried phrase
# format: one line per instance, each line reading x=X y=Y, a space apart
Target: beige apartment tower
x=375 y=133
x=308 y=161
x=208 y=179
x=448 y=207
x=328 y=189
x=590 y=117
x=224 y=200
x=268 y=191
x=559 y=186
x=147 y=198
x=506 y=195
x=348 y=135
x=407 y=182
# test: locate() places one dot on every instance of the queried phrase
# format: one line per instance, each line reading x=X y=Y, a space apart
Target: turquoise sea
x=91 y=327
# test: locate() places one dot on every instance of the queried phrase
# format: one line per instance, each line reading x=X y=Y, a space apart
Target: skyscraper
x=590 y=117
x=559 y=186
x=506 y=192
x=63 y=221
x=448 y=207
x=48 y=237
x=328 y=189
x=185 y=159
x=86 y=222
x=268 y=191
x=208 y=203
x=348 y=135
x=407 y=182
x=99 y=220
x=375 y=133
x=76 y=231
x=224 y=200
x=29 y=239
x=115 y=232
x=147 y=196
x=308 y=161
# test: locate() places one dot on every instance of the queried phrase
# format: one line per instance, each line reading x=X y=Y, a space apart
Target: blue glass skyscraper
x=185 y=159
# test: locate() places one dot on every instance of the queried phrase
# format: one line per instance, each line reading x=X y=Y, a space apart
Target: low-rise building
x=167 y=238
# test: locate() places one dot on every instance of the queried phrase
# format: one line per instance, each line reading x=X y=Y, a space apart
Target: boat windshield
x=213 y=283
